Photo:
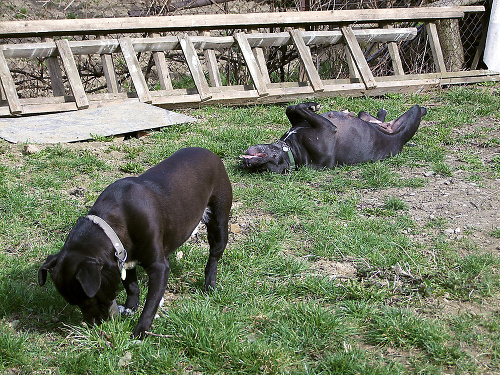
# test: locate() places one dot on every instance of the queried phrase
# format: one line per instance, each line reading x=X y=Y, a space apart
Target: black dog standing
x=150 y=216
x=333 y=138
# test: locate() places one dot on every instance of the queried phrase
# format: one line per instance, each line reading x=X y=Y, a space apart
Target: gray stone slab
x=81 y=125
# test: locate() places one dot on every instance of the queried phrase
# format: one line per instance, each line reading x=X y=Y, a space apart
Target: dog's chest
x=291 y=133
x=130 y=265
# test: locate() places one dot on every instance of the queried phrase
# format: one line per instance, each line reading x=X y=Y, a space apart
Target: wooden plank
x=134 y=69
x=302 y=72
x=162 y=68
x=109 y=71
x=353 y=69
x=251 y=62
x=55 y=72
x=169 y=43
x=211 y=63
x=163 y=71
x=69 y=64
x=359 y=58
x=278 y=92
x=437 y=53
x=261 y=60
x=195 y=67
x=397 y=64
x=307 y=61
x=12 y=29
x=8 y=86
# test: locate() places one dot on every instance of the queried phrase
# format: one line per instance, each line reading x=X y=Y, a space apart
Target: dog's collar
x=120 y=252
x=286 y=148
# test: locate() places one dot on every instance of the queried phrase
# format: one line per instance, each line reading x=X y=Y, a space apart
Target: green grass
x=276 y=309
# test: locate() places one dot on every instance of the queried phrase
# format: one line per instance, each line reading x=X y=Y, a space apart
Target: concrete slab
x=81 y=125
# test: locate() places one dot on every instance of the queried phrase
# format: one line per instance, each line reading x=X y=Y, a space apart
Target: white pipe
x=492 y=47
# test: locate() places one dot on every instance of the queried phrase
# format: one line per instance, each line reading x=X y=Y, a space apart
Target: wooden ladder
x=61 y=53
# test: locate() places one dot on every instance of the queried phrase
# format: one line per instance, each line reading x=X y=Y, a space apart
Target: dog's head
x=82 y=281
x=265 y=157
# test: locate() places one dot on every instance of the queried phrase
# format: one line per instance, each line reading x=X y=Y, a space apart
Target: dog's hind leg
x=295 y=118
x=217 y=234
x=381 y=114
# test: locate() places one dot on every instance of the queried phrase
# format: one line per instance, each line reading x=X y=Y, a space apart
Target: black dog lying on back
x=150 y=216
x=333 y=138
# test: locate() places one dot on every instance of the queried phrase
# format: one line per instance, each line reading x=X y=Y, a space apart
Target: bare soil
x=466 y=207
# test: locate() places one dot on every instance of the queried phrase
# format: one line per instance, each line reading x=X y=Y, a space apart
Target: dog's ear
x=49 y=264
x=89 y=276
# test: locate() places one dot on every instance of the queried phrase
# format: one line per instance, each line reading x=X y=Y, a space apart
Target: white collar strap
x=120 y=252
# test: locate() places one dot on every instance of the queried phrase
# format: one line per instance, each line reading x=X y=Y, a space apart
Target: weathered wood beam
x=109 y=71
x=75 y=82
x=258 y=52
x=307 y=61
x=162 y=69
x=134 y=69
x=397 y=64
x=212 y=66
x=12 y=29
x=358 y=57
x=8 y=86
x=353 y=69
x=55 y=72
x=279 y=92
x=437 y=53
x=251 y=63
x=195 y=67
x=168 y=43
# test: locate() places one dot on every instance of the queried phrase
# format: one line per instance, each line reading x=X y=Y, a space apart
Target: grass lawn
x=366 y=269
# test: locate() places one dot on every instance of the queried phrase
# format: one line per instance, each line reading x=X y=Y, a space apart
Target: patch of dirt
x=341 y=270
x=18 y=10
x=465 y=206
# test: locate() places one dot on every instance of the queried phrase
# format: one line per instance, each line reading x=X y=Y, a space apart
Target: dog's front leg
x=158 y=278
x=132 y=288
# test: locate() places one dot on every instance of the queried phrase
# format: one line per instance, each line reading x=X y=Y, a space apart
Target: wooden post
x=359 y=58
x=353 y=69
x=397 y=64
x=307 y=61
x=8 y=87
x=71 y=70
x=212 y=67
x=162 y=69
x=109 y=71
x=437 y=53
x=195 y=67
x=252 y=65
x=261 y=61
x=55 y=74
x=134 y=69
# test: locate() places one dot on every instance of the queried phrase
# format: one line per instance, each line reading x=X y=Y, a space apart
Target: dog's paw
x=312 y=106
x=315 y=107
x=140 y=332
x=124 y=311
